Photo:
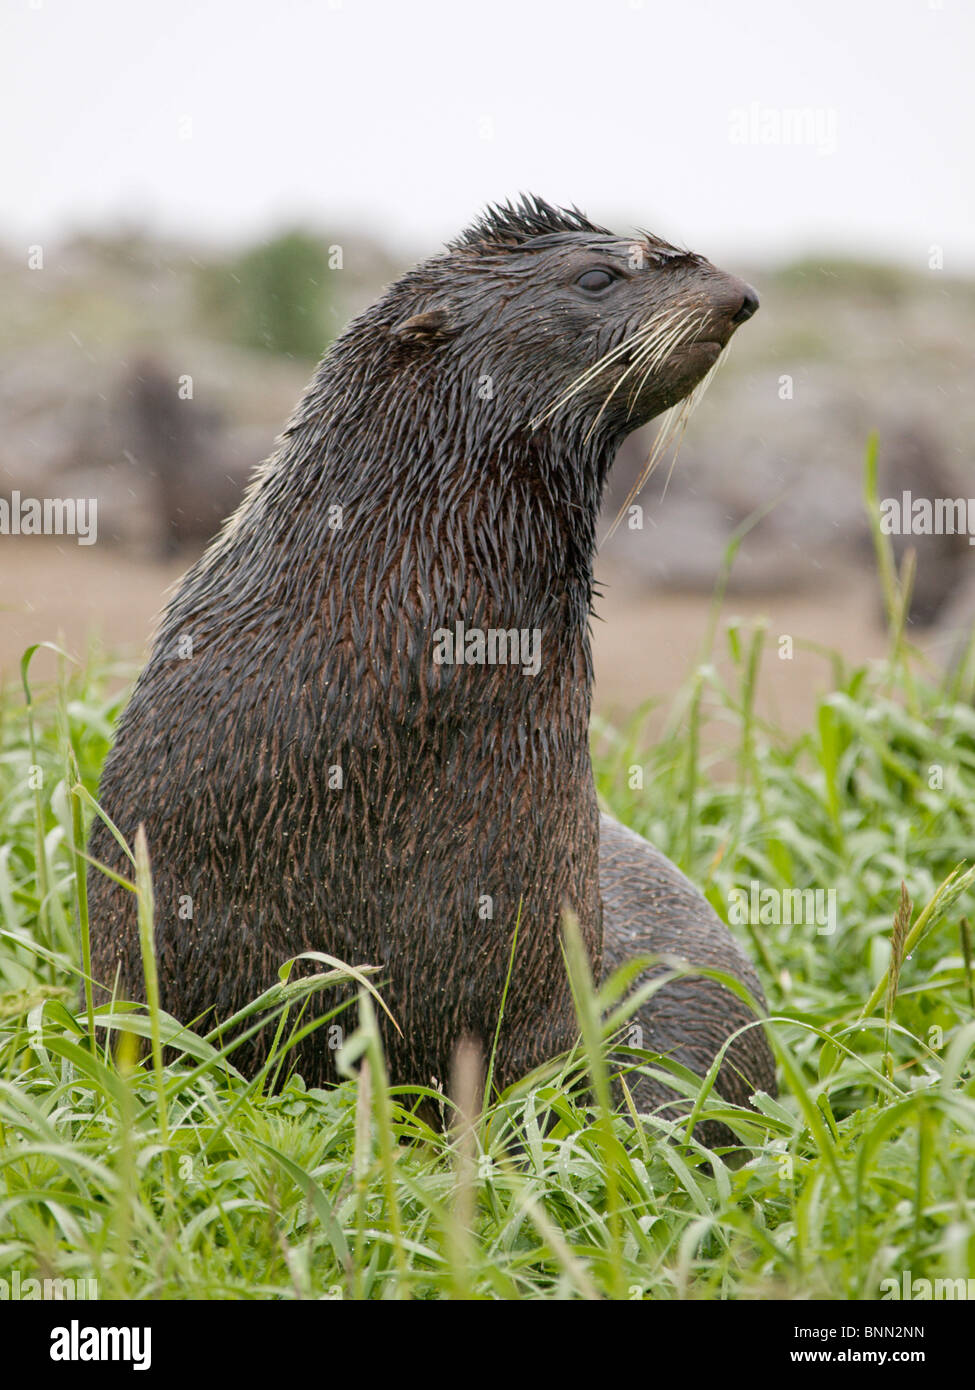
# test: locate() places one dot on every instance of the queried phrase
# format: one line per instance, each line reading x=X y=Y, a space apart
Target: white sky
x=378 y=112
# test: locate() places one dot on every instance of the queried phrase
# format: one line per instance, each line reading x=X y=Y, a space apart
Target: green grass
x=184 y=1180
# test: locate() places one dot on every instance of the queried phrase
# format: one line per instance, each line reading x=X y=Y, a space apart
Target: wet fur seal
x=311 y=776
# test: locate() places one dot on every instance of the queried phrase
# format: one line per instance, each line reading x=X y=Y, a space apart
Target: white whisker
x=673 y=424
x=645 y=335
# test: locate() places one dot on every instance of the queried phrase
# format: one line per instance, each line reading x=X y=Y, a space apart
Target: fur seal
x=364 y=724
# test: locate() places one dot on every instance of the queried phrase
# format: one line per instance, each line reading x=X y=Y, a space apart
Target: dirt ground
x=645 y=645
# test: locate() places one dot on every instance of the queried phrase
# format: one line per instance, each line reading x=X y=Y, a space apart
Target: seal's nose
x=748 y=306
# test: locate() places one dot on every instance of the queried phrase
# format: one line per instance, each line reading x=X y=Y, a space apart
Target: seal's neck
x=450 y=507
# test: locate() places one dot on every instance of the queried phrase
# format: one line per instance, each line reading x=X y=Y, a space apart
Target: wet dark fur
x=312 y=647
x=650 y=908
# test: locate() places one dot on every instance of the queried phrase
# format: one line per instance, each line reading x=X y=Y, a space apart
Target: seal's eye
x=595 y=281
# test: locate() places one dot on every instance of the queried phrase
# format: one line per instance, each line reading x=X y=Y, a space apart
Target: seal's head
x=576 y=330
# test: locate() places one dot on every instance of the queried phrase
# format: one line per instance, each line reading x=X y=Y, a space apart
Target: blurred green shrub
x=273 y=296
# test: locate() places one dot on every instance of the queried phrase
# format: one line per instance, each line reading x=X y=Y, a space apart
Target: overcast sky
x=228 y=118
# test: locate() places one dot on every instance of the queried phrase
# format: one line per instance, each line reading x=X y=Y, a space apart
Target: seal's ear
x=432 y=326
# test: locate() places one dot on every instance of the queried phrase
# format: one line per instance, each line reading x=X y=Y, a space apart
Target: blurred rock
x=94 y=347
x=913 y=462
